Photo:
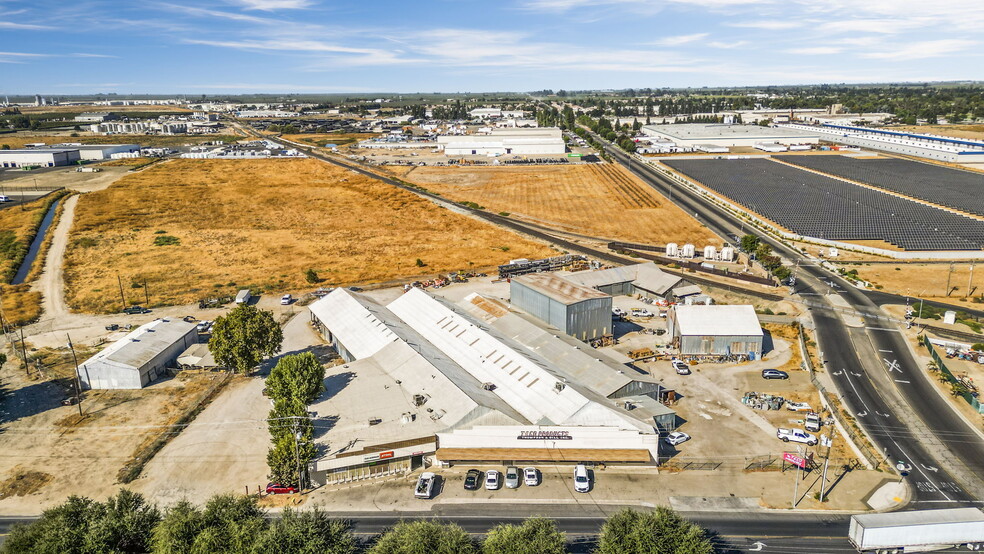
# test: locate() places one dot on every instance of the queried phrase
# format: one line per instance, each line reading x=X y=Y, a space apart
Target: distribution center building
x=46 y=157
x=519 y=141
x=140 y=357
x=578 y=310
x=716 y=330
x=697 y=135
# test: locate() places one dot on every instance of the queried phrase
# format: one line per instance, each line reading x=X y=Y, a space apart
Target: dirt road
x=51 y=284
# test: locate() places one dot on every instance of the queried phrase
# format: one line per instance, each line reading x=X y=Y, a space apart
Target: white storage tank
x=688 y=251
x=727 y=254
x=709 y=252
x=671 y=250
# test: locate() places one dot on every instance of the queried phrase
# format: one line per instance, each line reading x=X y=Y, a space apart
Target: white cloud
x=922 y=49
x=271 y=5
x=23 y=26
x=728 y=45
x=816 y=50
x=768 y=24
x=678 y=40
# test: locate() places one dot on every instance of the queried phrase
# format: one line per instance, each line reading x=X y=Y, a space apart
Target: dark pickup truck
x=136 y=310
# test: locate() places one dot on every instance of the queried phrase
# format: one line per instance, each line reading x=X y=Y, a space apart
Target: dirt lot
x=597 y=200
x=49 y=453
x=262 y=224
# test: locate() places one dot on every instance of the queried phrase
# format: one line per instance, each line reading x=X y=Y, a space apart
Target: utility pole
x=949 y=274
x=297 y=450
x=27 y=368
x=78 y=385
x=146 y=295
x=826 y=462
x=970 y=281
x=122 y=297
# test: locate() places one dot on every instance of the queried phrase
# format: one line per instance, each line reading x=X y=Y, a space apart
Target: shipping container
x=917 y=531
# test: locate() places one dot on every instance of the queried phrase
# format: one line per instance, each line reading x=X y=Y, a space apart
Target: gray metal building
x=645 y=279
x=140 y=357
x=716 y=330
x=580 y=311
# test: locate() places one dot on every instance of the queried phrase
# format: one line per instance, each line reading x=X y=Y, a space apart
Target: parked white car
x=286 y=299
x=492 y=480
x=582 y=483
x=641 y=312
x=531 y=477
x=676 y=437
x=681 y=367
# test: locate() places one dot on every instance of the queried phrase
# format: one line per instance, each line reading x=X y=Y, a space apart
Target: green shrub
x=166 y=240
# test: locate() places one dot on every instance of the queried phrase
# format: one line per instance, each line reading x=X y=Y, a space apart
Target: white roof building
x=717 y=330
x=140 y=357
x=701 y=135
x=519 y=141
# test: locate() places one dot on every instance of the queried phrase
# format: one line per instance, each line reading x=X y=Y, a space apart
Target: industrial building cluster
x=42 y=155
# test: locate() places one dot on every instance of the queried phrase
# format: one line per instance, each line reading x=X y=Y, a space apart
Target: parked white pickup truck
x=796 y=435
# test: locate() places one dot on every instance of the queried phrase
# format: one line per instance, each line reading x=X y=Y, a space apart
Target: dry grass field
x=596 y=200
x=18 y=140
x=321 y=139
x=114 y=109
x=956 y=131
x=262 y=224
x=924 y=280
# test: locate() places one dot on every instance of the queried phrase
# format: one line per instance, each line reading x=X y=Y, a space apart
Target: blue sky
x=280 y=46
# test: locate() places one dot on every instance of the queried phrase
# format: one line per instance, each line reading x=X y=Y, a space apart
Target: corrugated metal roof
x=686 y=290
x=646 y=276
x=561 y=290
x=355 y=320
x=142 y=344
x=717 y=320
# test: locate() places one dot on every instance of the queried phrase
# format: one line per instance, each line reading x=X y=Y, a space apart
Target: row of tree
x=763 y=253
x=295 y=382
x=127 y=523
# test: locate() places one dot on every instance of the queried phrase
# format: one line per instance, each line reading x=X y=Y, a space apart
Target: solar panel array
x=953 y=188
x=822 y=207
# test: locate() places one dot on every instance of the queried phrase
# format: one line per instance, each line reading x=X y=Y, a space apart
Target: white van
x=243 y=297
x=581 y=480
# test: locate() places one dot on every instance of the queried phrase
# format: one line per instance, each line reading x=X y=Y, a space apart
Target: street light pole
x=78 y=386
x=297 y=451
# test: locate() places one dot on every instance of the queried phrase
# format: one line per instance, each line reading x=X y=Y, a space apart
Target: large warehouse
x=696 y=135
x=140 y=357
x=934 y=147
x=581 y=312
x=46 y=157
x=518 y=141
x=716 y=330
x=427 y=374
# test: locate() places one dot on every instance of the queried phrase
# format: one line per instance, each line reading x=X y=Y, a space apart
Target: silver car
x=512 y=477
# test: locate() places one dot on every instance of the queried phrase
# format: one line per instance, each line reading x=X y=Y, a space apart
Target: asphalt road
x=925 y=446
x=731 y=532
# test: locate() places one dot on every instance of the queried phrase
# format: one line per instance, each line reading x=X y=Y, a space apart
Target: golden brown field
x=320 y=139
x=262 y=224
x=924 y=280
x=596 y=200
x=956 y=131
x=18 y=228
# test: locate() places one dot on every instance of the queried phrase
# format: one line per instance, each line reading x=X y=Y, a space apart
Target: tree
x=749 y=243
x=299 y=376
x=782 y=273
x=123 y=525
x=176 y=532
x=230 y=523
x=308 y=532
x=661 y=531
x=424 y=537
x=61 y=529
x=534 y=536
x=763 y=250
x=311 y=276
x=241 y=339
x=292 y=434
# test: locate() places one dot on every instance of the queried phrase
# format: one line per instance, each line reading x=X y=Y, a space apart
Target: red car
x=274 y=488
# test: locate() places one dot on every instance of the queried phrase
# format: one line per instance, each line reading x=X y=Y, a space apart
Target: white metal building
x=43 y=157
x=520 y=141
x=97 y=152
x=694 y=135
x=934 y=147
x=140 y=357
x=434 y=367
x=722 y=330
